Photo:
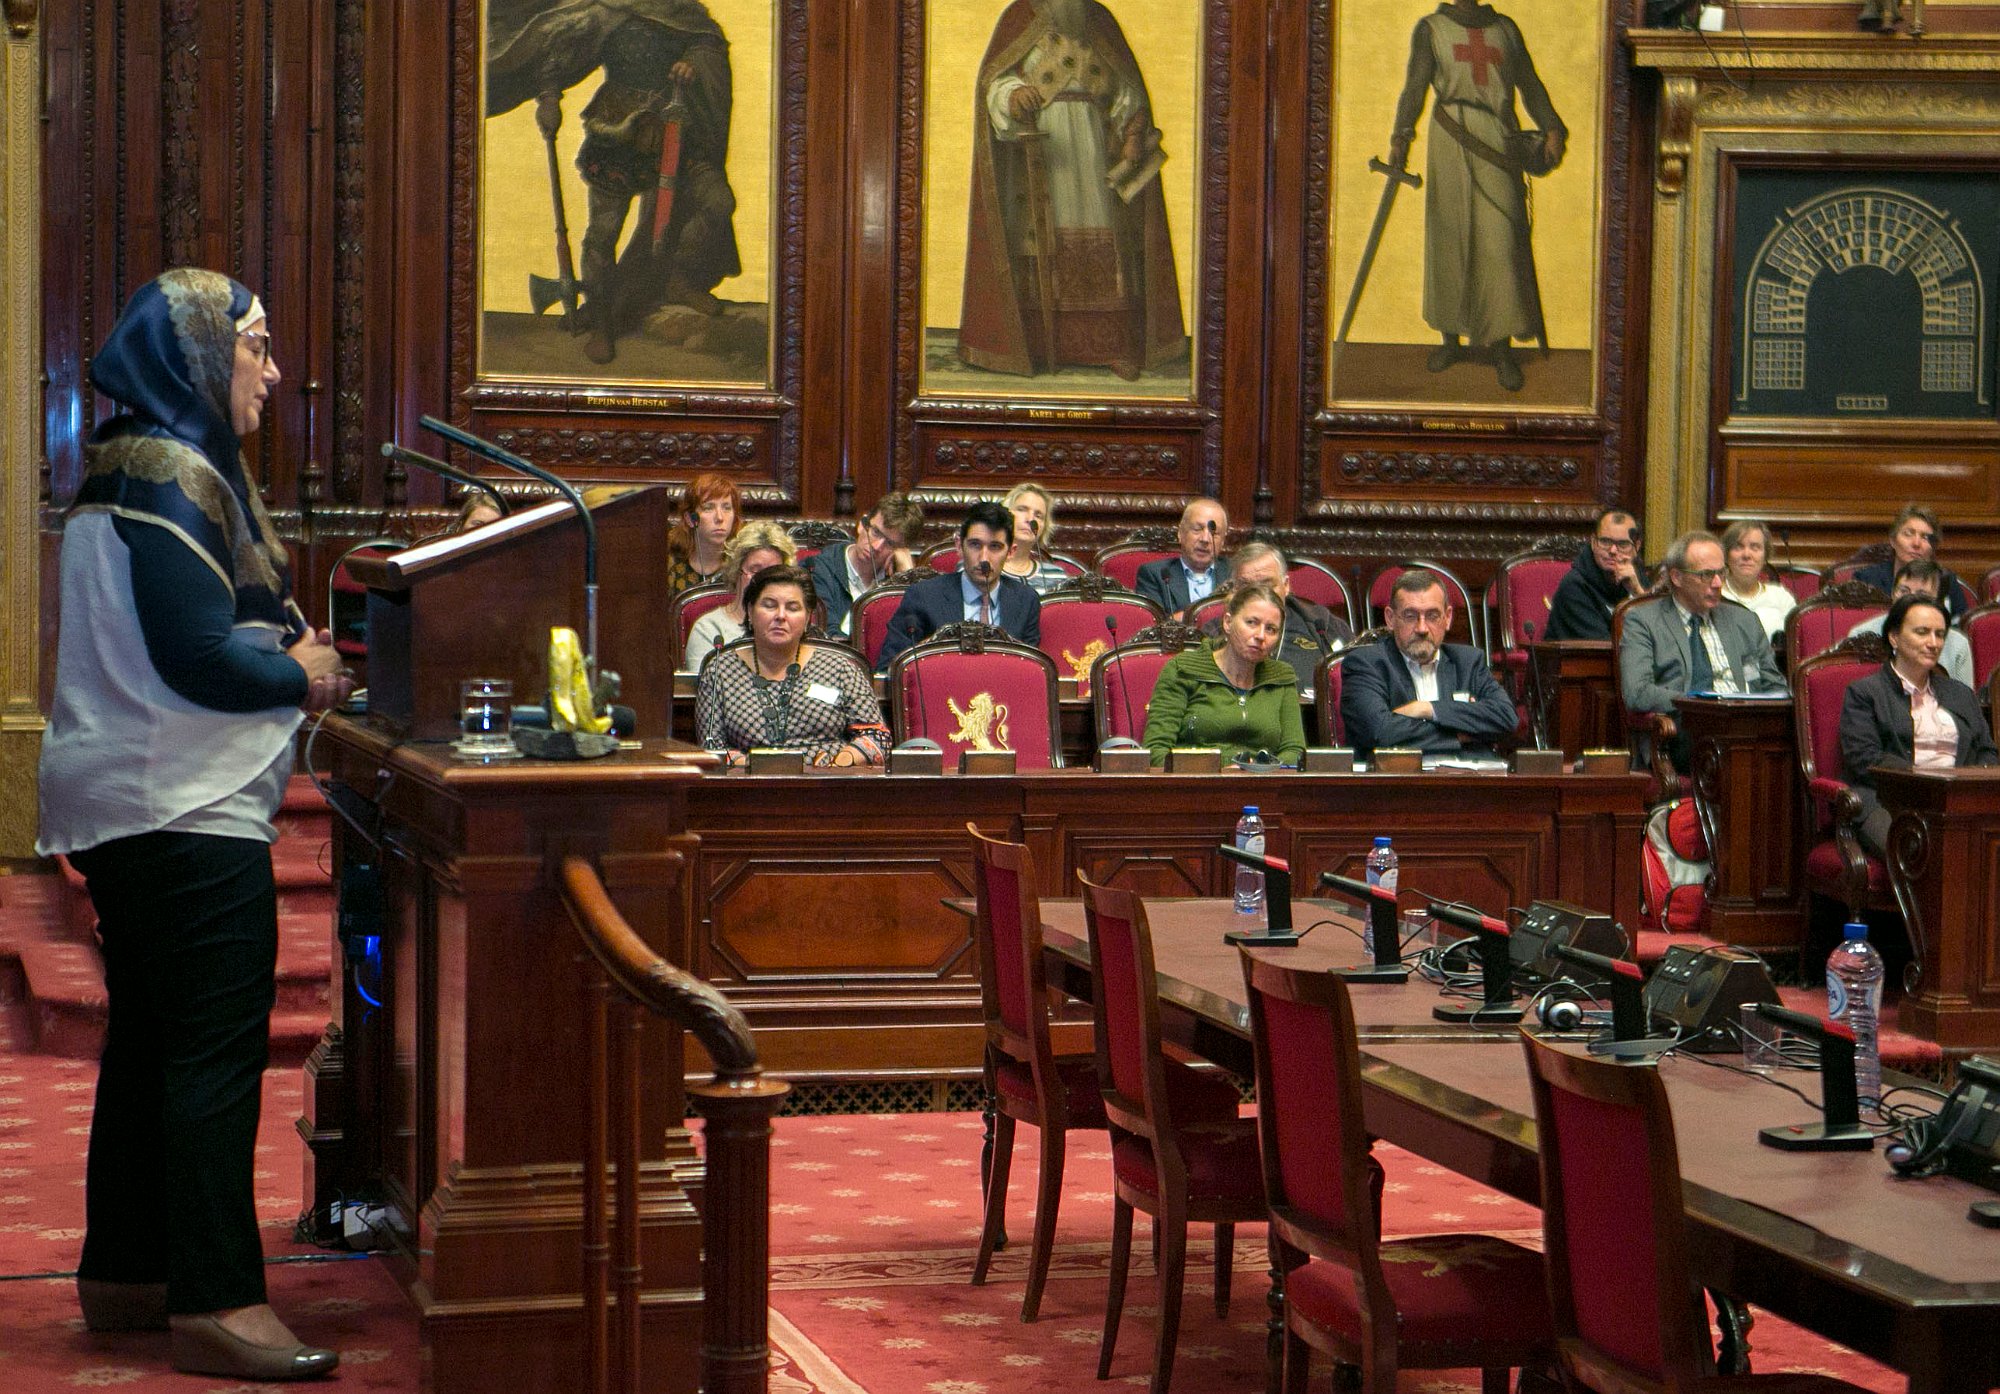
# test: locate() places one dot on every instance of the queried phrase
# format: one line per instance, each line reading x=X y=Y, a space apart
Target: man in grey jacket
x=1691 y=641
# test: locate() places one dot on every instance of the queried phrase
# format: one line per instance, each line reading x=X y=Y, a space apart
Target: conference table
x=1834 y=1242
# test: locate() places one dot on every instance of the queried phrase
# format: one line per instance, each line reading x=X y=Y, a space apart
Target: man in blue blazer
x=1418 y=691
x=978 y=590
x=1174 y=583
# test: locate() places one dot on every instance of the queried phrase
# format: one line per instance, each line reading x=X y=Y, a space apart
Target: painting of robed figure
x=1069 y=280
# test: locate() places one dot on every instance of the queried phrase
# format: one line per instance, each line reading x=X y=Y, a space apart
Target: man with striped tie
x=978 y=590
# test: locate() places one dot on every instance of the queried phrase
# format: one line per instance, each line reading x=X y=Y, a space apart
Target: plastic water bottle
x=1249 y=883
x=1381 y=872
x=1854 y=996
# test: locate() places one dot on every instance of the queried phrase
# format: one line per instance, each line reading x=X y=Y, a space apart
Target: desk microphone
x=1383 y=929
x=1627 y=1039
x=1277 y=932
x=1496 y=967
x=1840 y=1130
x=922 y=741
x=1124 y=691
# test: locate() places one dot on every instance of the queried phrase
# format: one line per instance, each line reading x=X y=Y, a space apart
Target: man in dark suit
x=978 y=590
x=1174 y=583
x=1605 y=572
x=1691 y=641
x=1417 y=690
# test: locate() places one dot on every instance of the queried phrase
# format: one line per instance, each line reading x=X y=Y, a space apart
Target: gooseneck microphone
x=429 y=465
x=486 y=450
x=1124 y=691
x=922 y=740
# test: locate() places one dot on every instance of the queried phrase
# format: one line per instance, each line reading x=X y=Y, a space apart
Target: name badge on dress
x=822 y=692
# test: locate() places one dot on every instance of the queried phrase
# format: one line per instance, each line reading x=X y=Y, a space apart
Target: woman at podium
x=1909 y=713
x=780 y=691
x=1237 y=695
x=181 y=673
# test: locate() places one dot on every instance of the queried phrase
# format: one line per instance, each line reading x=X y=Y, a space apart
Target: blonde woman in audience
x=756 y=547
x=1745 y=549
x=1034 y=529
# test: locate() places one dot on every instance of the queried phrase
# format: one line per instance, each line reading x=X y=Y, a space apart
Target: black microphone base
x=1497 y=1014
x=1641 y=1048
x=1818 y=1137
x=1262 y=939
x=1375 y=973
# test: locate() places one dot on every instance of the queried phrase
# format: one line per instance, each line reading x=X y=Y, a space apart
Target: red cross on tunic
x=1478 y=53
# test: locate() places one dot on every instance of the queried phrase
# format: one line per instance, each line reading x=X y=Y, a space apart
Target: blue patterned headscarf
x=171 y=458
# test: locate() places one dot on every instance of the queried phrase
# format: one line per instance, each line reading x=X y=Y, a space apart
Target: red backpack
x=1674 y=871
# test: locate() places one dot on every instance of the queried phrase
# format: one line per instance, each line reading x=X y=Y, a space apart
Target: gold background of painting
x=517 y=220
x=1165 y=36
x=1371 y=54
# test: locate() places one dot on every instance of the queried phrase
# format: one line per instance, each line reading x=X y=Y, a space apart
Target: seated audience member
x=1915 y=536
x=1745 y=548
x=1034 y=529
x=1237 y=695
x=755 y=547
x=1909 y=713
x=1692 y=642
x=782 y=691
x=880 y=549
x=1416 y=691
x=978 y=590
x=709 y=509
x=1174 y=583
x=1605 y=572
x=1311 y=631
x=478 y=511
x=1924 y=578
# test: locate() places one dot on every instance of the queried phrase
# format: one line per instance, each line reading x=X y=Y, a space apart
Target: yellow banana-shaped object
x=572 y=706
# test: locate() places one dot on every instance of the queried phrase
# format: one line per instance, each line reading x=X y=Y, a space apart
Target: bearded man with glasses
x=1605 y=572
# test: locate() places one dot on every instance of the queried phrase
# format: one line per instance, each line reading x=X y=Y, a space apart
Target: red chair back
x=1816 y=625
x=1121 y=563
x=1819 y=688
x=869 y=625
x=1074 y=633
x=1525 y=589
x=1989 y=585
x=689 y=606
x=944 y=558
x=1982 y=632
x=1213 y=608
x=1321 y=584
x=1614 y=1223
x=1070 y=565
x=1326 y=693
x=1125 y=1011
x=1013 y=982
x=1467 y=620
x=979 y=693
x=1122 y=680
x=1802 y=581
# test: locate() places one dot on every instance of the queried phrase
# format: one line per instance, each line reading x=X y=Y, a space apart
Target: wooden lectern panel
x=1944 y=860
x=481 y=604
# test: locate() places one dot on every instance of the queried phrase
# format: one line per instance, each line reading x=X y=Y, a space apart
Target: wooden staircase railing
x=738 y=1105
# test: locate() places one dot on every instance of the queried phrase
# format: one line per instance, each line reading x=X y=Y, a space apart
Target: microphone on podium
x=430 y=465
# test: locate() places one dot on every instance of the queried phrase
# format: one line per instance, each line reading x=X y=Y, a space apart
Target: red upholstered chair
x=1326 y=688
x=1121 y=680
x=1213 y=608
x=1524 y=590
x=1628 y=1316
x=815 y=535
x=1982 y=630
x=1989 y=584
x=1440 y=1302
x=1835 y=864
x=1121 y=561
x=1816 y=625
x=689 y=606
x=1073 y=624
x=1321 y=584
x=868 y=625
x=1174 y=1167
x=1025 y=1079
x=944 y=557
x=970 y=687
x=1070 y=564
x=1468 y=620
x=1867 y=556
x=1804 y=582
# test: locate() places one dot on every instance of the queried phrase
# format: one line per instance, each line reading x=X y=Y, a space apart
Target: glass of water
x=486 y=719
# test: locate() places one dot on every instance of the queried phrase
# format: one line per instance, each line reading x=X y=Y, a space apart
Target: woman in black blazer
x=1878 y=720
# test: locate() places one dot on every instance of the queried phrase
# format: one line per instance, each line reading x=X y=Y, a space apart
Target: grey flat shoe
x=202 y=1345
x=122 y=1306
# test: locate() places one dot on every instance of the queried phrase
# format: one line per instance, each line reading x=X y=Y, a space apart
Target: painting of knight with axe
x=656 y=134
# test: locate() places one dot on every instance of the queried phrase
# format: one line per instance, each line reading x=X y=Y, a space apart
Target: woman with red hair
x=710 y=510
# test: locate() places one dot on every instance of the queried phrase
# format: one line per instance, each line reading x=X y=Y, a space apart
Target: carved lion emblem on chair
x=1079 y=668
x=982 y=722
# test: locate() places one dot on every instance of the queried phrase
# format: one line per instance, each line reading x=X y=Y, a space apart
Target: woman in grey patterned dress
x=783 y=691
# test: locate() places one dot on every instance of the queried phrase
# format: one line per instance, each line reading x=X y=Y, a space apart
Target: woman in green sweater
x=1237 y=695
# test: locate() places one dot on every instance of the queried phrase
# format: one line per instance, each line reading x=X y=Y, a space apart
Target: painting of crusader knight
x=621 y=111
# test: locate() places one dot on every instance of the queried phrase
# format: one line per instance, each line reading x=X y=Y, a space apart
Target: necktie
x=1701 y=674
x=985 y=609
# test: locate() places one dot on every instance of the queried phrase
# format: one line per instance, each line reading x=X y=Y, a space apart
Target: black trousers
x=190 y=930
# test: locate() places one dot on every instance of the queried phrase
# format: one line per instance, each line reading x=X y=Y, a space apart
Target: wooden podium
x=1745 y=772
x=1944 y=862
x=1573 y=694
x=451 y=1086
x=481 y=604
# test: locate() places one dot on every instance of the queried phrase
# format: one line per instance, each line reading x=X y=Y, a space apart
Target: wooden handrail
x=738 y=1105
